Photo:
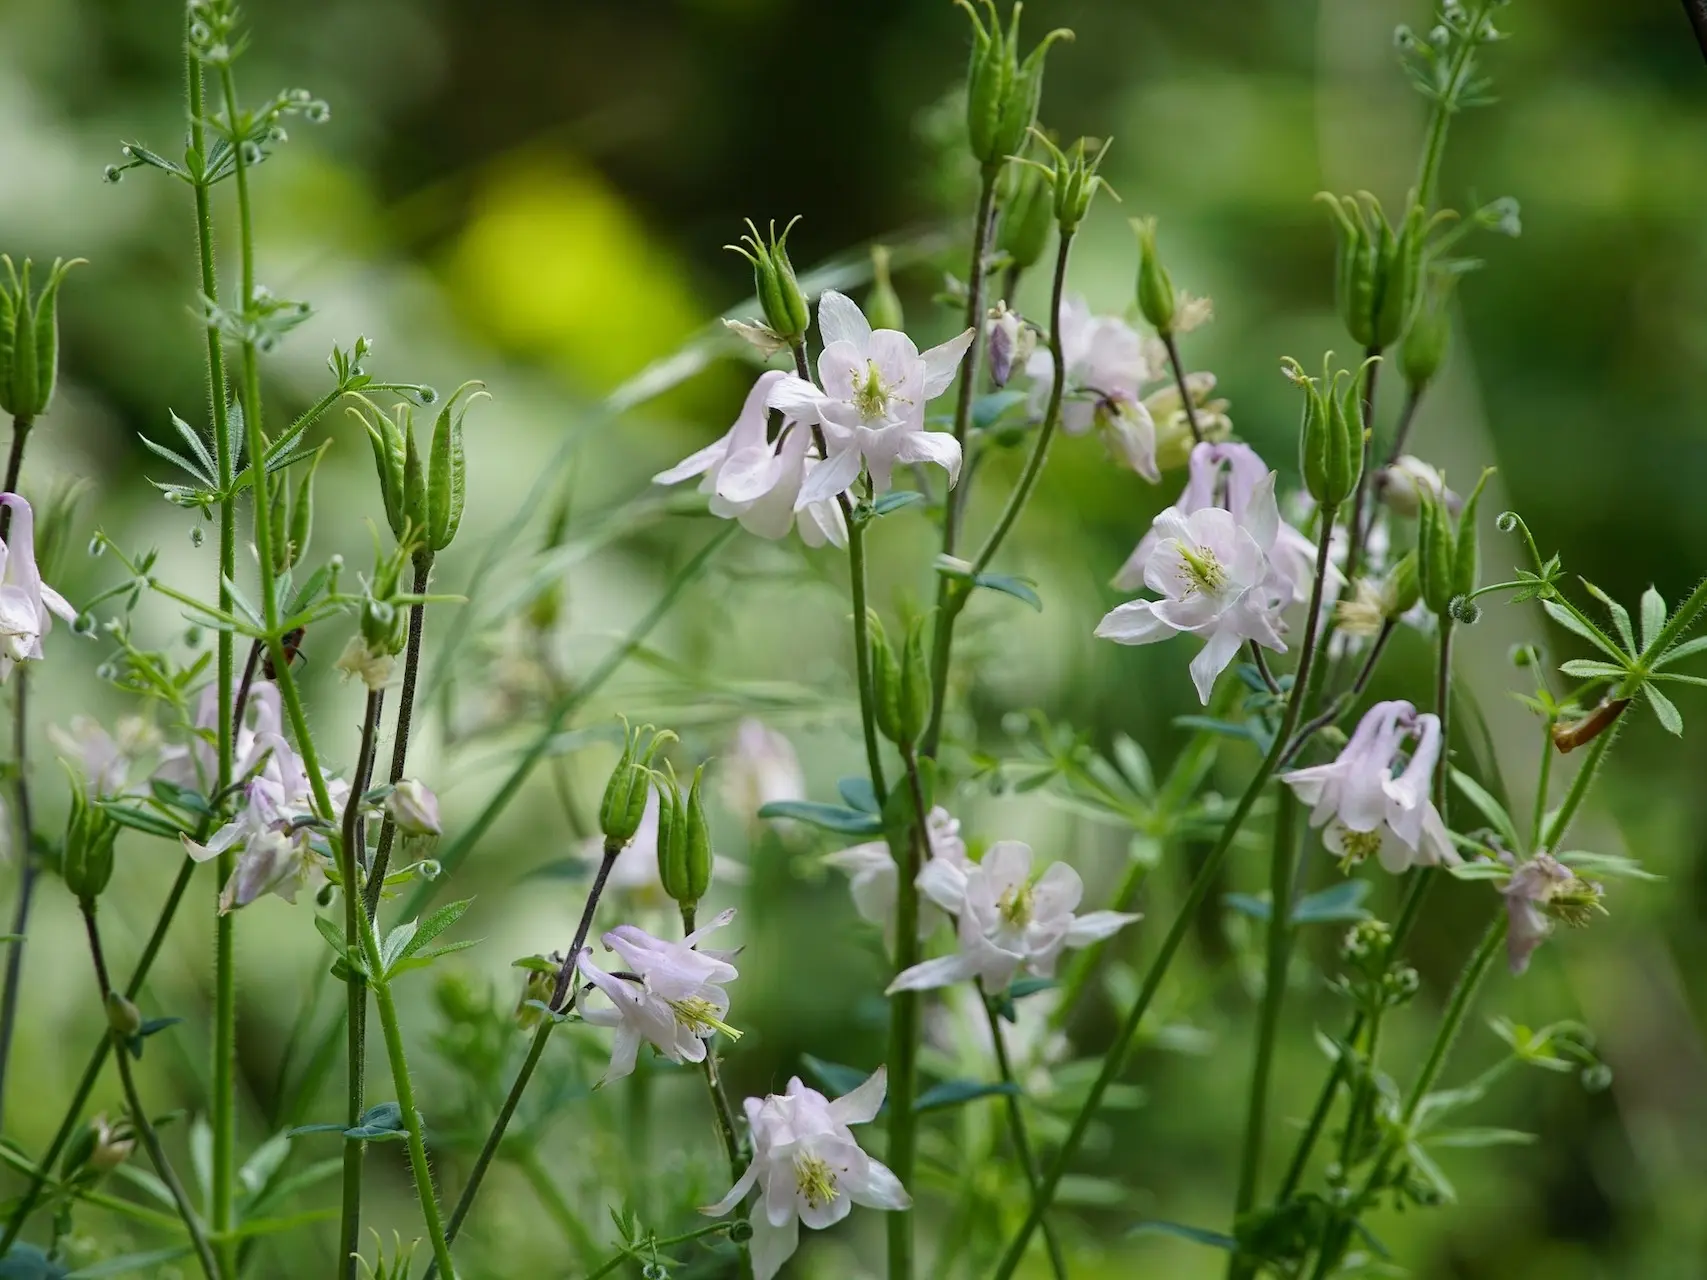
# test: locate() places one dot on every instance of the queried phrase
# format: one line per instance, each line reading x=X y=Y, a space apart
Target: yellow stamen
x=814 y=1180
x=698 y=1014
x=1202 y=570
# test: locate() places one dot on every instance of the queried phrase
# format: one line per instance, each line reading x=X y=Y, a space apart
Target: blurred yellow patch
x=553 y=263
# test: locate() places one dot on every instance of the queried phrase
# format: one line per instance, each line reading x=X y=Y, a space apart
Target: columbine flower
x=1365 y=809
x=1106 y=365
x=1007 y=920
x=872 y=407
x=1012 y=342
x=809 y=1168
x=1035 y=1046
x=1174 y=438
x=105 y=759
x=195 y=764
x=1402 y=485
x=1540 y=891
x=414 y=808
x=674 y=999
x=755 y=480
x=761 y=768
x=872 y=875
x=1230 y=475
x=1215 y=582
x=27 y=604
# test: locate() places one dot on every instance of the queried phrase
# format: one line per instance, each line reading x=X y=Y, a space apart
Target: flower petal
x=1133 y=623
x=931 y=446
x=841 y=320
x=943 y=362
x=834 y=475
x=1094 y=926
x=861 y=1104
x=772 y=1245
x=944 y=971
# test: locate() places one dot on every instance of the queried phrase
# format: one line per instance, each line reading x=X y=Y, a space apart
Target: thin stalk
x=983 y=230
x=23 y=839
x=612 y=1264
x=731 y=1141
x=565 y=988
x=139 y=1117
x=124 y=1208
x=1017 y=1130
x=1543 y=783
x=400 y=739
x=904 y=1021
x=556 y=1205
x=91 y=1073
x=1345 y=700
x=952 y=595
x=1201 y=885
x=1445 y=105
x=1178 y=366
x=1579 y=789
x=1280 y=936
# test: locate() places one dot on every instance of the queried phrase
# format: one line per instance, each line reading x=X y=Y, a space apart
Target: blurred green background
x=536 y=195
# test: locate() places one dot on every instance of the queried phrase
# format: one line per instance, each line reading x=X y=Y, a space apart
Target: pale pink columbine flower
x=872 y=405
x=1403 y=483
x=1107 y=362
x=1540 y=891
x=755 y=479
x=105 y=759
x=760 y=768
x=809 y=1168
x=1364 y=808
x=1216 y=582
x=195 y=763
x=1007 y=921
x=674 y=1001
x=414 y=808
x=27 y=604
x=873 y=876
x=1230 y=475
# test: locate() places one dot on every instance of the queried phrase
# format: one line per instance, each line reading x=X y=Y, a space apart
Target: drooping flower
x=873 y=876
x=27 y=604
x=1230 y=475
x=872 y=405
x=105 y=759
x=755 y=479
x=760 y=768
x=674 y=999
x=1006 y=919
x=1540 y=891
x=1011 y=340
x=1402 y=485
x=1365 y=809
x=1215 y=581
x=1107 y=363
x=809 y=1168
x=414 y=808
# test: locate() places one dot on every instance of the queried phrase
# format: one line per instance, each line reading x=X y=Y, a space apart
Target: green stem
x=1201 y=885
x=125 y=1208
x=139 y=1117
x=862 y=658
x=953 y=593
x=904 y=1020
x=1444 y=107
x=1178 y=367
x=1355 y=527
x=24 y=840
x=983 y=232
x=556 y=1205
x=613 y=1263
x=1017 y=1130
x=731 y=1141
x=400 y=739
x=91 y=1073
x=1280 y=935
x=1579 y=789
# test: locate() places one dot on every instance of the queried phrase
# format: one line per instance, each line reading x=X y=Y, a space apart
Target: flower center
x=1015 y=906
x=871 y=396
x=814 y=1180
x=1201 y=570
x=1575 y=902
x=1358 y=845
x=700 y=1016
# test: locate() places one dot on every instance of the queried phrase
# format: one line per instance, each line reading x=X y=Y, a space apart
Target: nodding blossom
x=105 y=759
x=809 y=1168
x=1364 y=808
x=873 y=876
x=760 y=768
x=1107 y=362
x=670 y=995
x=1230 y=475
x=1402 y=484
x=1216 y=581
x=1006 y=919
x=1540 y=891
x=27 y=604
x=872 y=405
x=756 y=480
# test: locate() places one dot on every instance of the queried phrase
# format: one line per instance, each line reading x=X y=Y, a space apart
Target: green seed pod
x=1315 y=430
x=914 y=704
x=379 y=626
x=886 y=680
x=1002 y=93
x=447 y=471
x=780 y=297
x=414 y=491
x=1025 y=94
x=302 y=509
x=699 y=856
x=1401 y=274
x=87 y=864
x=1027 y=216
x=1430 y=334
x=1466 y=565
x=29 y=338
x=1402 y=589
x=624 y=801
x=1356 y=268
x=882 y=304
x=390 y=455
x=1436 y=555
x=1156 y=298
x=672 y=837
x=1074 y=180
x=278 y=505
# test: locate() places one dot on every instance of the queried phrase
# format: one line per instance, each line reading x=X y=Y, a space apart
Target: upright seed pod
x=672 y=835
x=885 y=678
x=29 y=338
x=302 y=509
x=1466 y=563
x=1436 y=554
x=447 y=470
x=699 y=855
x=914 y=703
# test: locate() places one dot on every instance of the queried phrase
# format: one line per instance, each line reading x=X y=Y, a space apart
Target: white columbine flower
x=27 y=604
x=1541 y=890
x=809 y=1168
x=873 y=877
x=1230 y=476
x=1402 y=485
x=872 y=406
x=1215 y=581
x=755 y=479
x=105 y=759
x=414 y=808
x=1365 y=809
x=195 y=764
x=674 y=1001
x=1007 y=920
x=1107 y=362
x=761 y=768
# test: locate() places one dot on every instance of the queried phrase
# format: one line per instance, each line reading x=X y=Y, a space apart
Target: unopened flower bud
x=1426 y=340
x=414 y=808
x=536 y=991
x=123 y=1017
x=1011 y=342
x=1156 y=299
x=624 y=800
x=1027 y=215
x=780 y=297
x=882 y=304
x=1002 y=92
x=87 y=863
x=886 y=680
x=1402 y=589
x=29 y=339
x=1402 y=483
x=113 y=1144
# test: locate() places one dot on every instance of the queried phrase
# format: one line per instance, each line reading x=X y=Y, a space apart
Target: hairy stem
x=1018 y=1132
x=983 y=231
x=731 y=1141
x=22 y=837
x=138 y=1116
x=904 y=1018
x=400 y=740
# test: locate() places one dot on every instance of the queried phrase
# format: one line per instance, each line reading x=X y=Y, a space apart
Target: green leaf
x=1024 y=987
x=1249 y=904
x=1589 y=669
x=1480 y=1137
x=1007 y=584
x=830 y=817
x=329 y=931
x=1653 y=617
x=1482 y=870
x=142 y=820
x=1489 y=808
x=1607 y=864
x=1572 y=622
x=859 y=794
x=178 y=460
x=26 y=1262
x=380 y=1123
x=1684 y=650
x=894 y=500
x=396 y=943
x=259 y=1168
x=1337 y=904
x=170 y=793
x=1197 y=1235
x=1664 y=710
x=1620 y=615
x=436 y=924
x=835 y=1078
x=127 y=1264
x=986 y=409
x=954 y=1093
x=421 y=959
x=1135 y=764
